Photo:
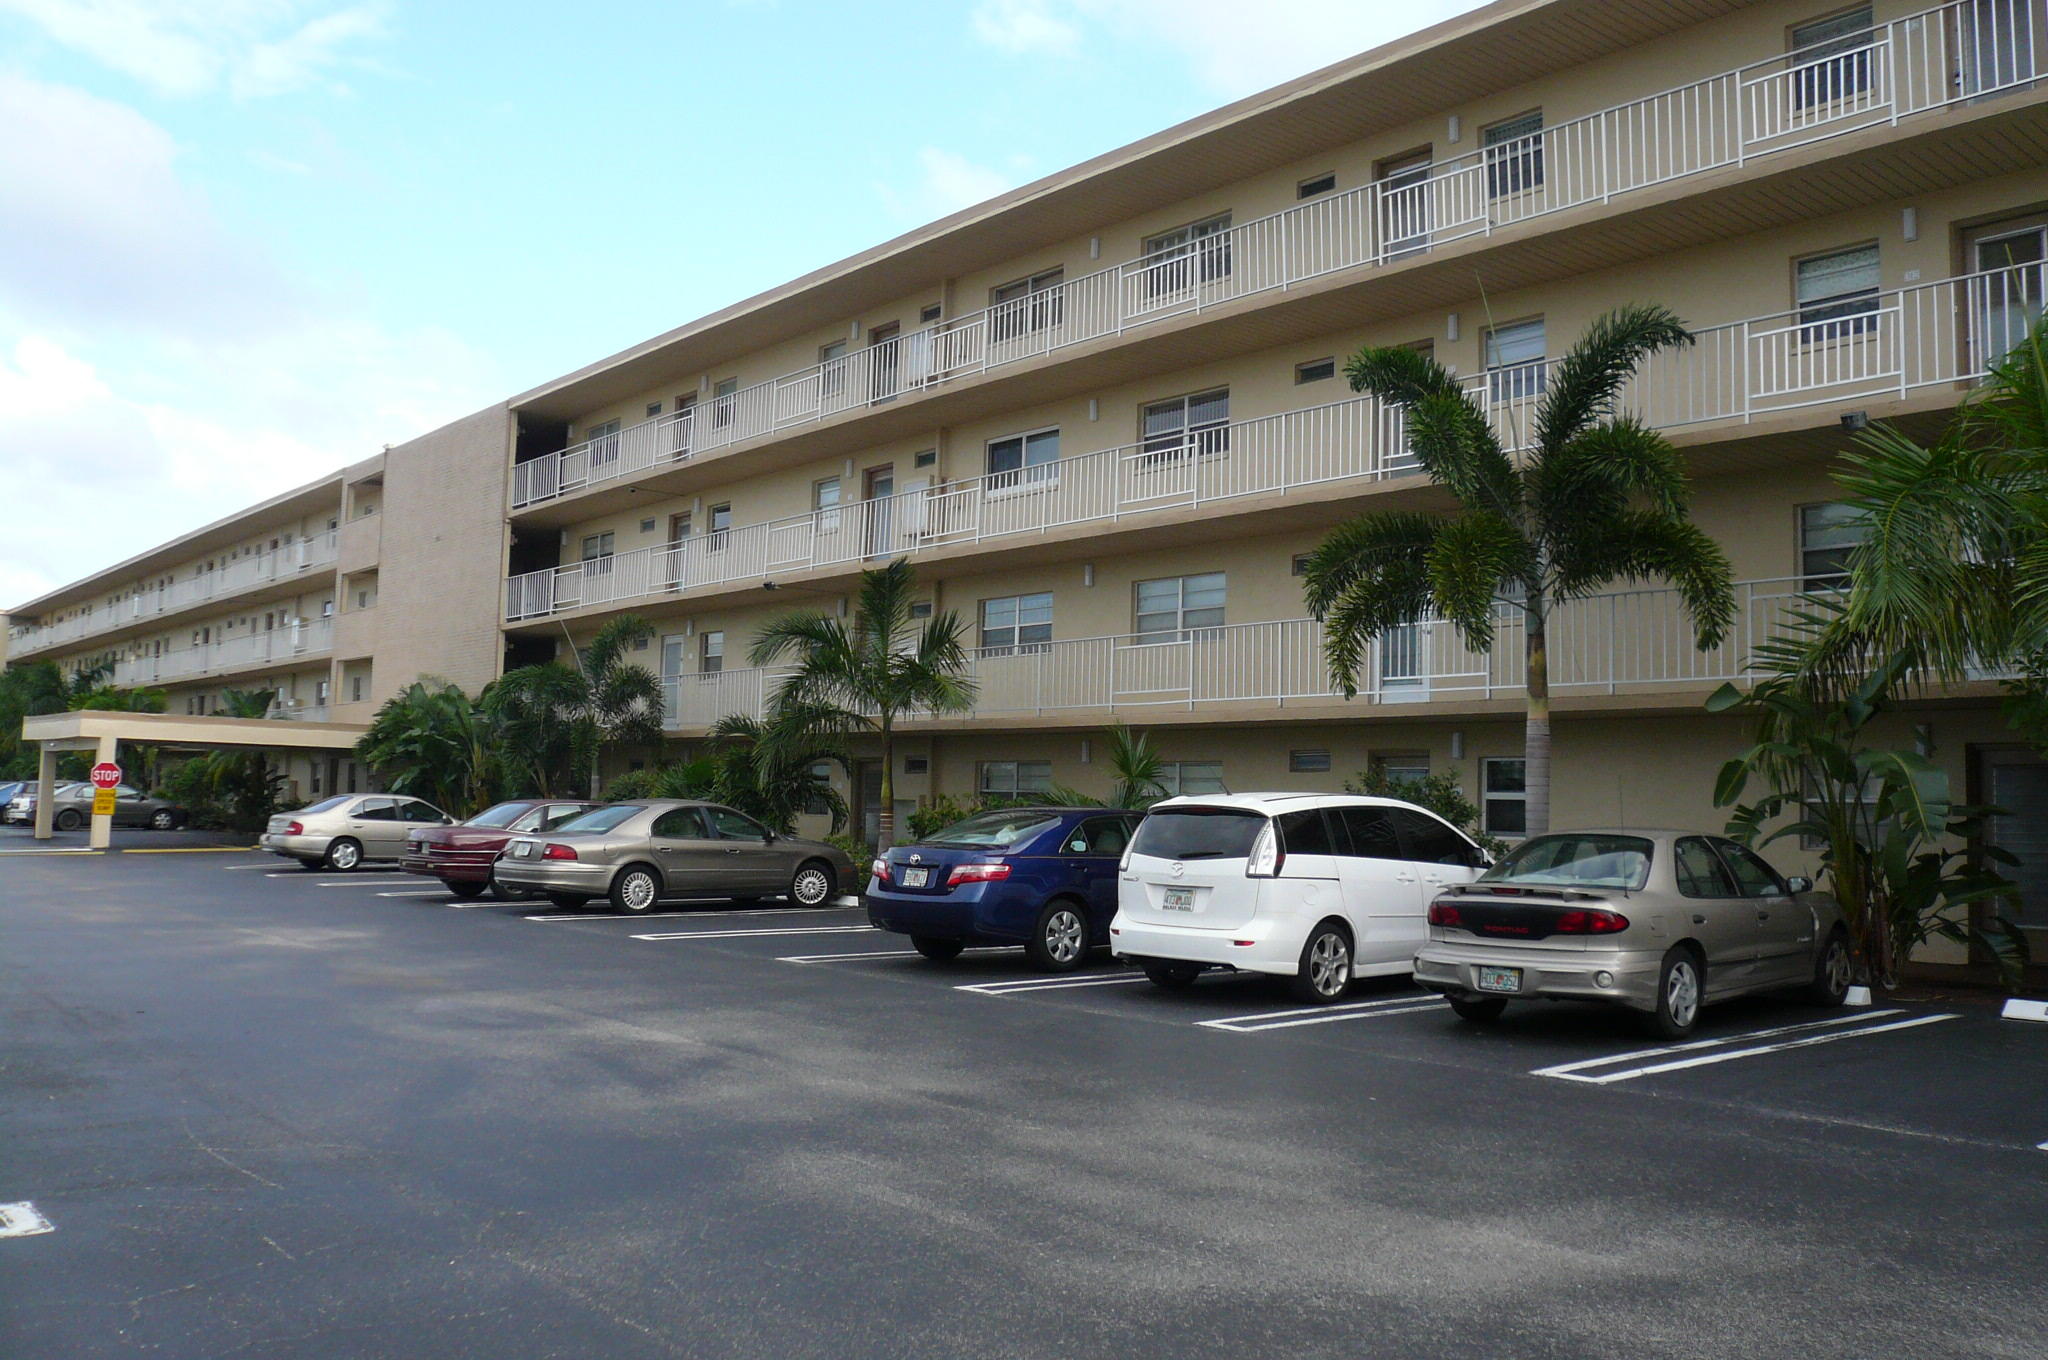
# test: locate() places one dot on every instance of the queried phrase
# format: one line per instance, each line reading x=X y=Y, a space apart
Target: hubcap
x=1063 y=937
x=639 y=892
x=1329 y=964
x=810 y=887
x=344 y=857
x=162 y=821
x=1682 y=993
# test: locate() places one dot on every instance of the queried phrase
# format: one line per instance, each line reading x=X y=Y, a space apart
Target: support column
x=102 y=833
x=46 y=789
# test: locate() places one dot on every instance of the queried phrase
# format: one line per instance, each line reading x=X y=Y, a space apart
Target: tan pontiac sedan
x=344 y=831
x=640 y=853
x=1661 y=922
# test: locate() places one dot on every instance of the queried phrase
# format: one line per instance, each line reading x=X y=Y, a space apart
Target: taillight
x=1444 y=914
x=295 y=829
x=1266 y=857
x=1590 y=923
x=552 y=850
x=880 y=869
x=977 y=873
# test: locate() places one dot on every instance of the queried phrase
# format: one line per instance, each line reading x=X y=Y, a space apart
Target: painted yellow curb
x=196 y=850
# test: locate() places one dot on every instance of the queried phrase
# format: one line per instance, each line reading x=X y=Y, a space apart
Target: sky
x=246 y=242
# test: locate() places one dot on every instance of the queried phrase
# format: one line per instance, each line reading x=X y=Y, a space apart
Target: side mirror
x=447 y=821
x=768 y=838
x=1799 y=883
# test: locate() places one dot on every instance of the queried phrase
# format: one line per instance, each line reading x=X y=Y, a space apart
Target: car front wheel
x=163 y=819
x=635 y=891
x=1325 y=969
x=466 y=889
x=1059 y=942
x=812 y=885
x=344 y=855
x=69 y=819
x=1832 y=971
x=1678 y=995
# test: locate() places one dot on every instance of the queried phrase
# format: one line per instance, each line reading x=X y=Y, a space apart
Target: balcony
x=1911 y=66
x=1628 y=642
x=1931 y=335
x=246 y=573
x=282 y=646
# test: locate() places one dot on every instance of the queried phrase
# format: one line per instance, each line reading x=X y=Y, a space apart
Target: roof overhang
x=83 y=727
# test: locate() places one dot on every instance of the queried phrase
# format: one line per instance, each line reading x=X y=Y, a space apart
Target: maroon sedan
x=461 y=856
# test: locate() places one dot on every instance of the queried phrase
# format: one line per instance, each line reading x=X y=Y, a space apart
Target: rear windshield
x=1198 y=833
x=504 y=814
x=993 y=830
x=1577 y=860
x=601 y=819
x=328 y=804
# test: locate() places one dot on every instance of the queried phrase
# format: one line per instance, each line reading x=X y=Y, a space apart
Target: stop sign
x=105 y=775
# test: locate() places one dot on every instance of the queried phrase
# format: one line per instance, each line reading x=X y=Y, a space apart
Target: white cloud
x=252 y=48
x=947 y=182
x=1232 y=50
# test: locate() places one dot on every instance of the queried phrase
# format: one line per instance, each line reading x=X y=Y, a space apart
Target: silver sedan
x=638 y=854
x=1661 y=922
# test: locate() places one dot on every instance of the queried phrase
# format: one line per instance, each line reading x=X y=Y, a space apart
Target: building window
x=832 y=368
x=1402 y=767
x=1029 y=304
x=1828 y=534
x=916 y=765
x=825 y=503
x=653 y=409
x=1167 y=608
x=597 y=548
x=1315 y=370
x=724 y=397
x=1505 y=797
x=678 y=529
x=1023 y=458
x=603 y=438
x=1837 y=293
x=327 y=609
x=1016 y=623
x=1514 y=361
x=1015 y=778
x=816 y=804
x=1308 y=762
x=355 y=689
x=1175 y=259
x=1191 y=776
x=1298 y=564
x=711 y=652
x=1176 y=428
x=929 y=313
x=1320 y=184
x=719 y=524
x=1830 y=57
x=925 y=458
x=1514 y=155
x=920 y=609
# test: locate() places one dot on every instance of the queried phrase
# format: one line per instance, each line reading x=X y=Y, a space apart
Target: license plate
x=522 y=849
x=916 y=878
x=1179 y=899
x=1500 y=979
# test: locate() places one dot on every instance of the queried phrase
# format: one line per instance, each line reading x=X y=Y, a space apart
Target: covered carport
x=103 y=732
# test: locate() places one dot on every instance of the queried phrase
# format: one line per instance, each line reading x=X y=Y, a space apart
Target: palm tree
x=865 y=677
x=557 y=719
x=1135 y=766
x=1598 y=497
x=771 y=774
x=433 y=741
x=242 y=781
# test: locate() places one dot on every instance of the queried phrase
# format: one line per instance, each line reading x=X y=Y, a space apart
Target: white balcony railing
x=1634 y=640
x=1935 y=333
x=278 y=646
x=1953 y=53
x=319 y=550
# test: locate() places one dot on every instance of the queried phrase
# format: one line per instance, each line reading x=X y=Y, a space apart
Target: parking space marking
x=259 y=864
x=882 y=954
x=416 y=892
x=1017 y=985
x=23 y=1219
x=409 y=880
x=744 y=934
x=1324 y=1015
x=663 y=915
x=1735 y=1046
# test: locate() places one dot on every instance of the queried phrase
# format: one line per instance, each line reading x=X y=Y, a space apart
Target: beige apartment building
x=1104 y=415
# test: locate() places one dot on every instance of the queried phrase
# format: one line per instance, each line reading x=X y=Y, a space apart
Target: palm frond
x=1643 y=546
x=1369 y=575
x=1604 y=470
x=1472 y=561
x=1582 y=389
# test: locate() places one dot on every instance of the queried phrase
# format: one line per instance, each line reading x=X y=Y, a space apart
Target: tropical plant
x=1892 y=842
x=430 y=740
x=557 y=720
x=1134 y=765
x=240 y=784
x=1599 y=497
x=863 y=677
x=1440 y=793
x=772 y=774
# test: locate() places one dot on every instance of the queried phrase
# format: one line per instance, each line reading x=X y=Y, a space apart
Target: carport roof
x=185 y=729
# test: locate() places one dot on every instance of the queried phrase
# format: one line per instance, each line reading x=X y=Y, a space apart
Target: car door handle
x=732 y=849
x=1762 y=917
x=1698 y=919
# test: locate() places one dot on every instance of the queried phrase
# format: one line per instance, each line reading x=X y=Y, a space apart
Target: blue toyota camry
x=1042 y=877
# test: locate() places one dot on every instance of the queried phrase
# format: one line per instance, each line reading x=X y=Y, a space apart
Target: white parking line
x=23 y=1219
x=662 y=915
x=743 y=934
x=259 y=864
x=416 y=892
x=1734 y=1046
x=881 y=954
x=1323 y=1015
x=1016 y=985
x=409 y=880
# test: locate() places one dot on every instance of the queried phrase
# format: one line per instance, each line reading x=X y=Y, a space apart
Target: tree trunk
x=885 y=816
x=1536 y=733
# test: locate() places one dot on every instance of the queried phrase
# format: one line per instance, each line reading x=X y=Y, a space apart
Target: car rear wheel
x=312 y=864
x=1325 y=969
x=1174 y=977
x=1678 y=995
x=636 y=890
x=68 y=819
x=936 y=948
x=1832 y=971
x=507 y=894
x=466 y=889
x=163 y=819
x=1059 y=942
x=344 y=854
x=812 y=885
x=1478 y=1009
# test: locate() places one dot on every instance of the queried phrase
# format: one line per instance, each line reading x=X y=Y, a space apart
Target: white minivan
x=1316 y=887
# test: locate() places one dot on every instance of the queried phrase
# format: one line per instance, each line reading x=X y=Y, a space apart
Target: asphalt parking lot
x=273 y=1113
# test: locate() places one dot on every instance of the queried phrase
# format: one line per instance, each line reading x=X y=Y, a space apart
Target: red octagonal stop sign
x=105 y=775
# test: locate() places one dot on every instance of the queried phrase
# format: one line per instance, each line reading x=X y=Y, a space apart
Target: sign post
x=106 y=778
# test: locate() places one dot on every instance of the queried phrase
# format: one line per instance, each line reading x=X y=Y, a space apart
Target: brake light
x=977 y=873
x=553 y=850
x=1266 y=857
x=880 y=869
x=295 y=829
x=1591 y=923
x=1444 y=914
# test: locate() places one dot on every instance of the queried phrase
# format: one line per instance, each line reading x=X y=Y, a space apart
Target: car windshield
x=993 y=830
x=504 y=814
x=1198 y=833
x=1576 y=859
x=601 y=819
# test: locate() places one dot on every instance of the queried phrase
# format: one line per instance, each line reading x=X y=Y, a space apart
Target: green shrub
x=633 y=784
x=857 y=850
x=1440 y=793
